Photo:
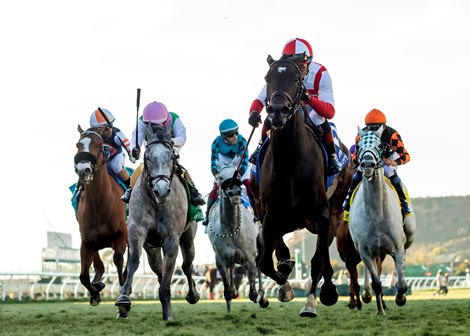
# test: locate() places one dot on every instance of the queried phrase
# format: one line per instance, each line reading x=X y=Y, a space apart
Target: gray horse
x=233 y=235
x=158 y=221
x=376 y=222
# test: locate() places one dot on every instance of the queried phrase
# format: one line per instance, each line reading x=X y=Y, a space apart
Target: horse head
x=159 y=162
x=230 y=186
x=284 y=89
x=370 y=152
x=90 y=153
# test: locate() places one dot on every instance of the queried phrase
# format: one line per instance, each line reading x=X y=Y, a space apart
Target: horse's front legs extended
x=170 y=251
x=252 y=272
x=135 y=251
x=188 y=252
x=226 y=275
x=269 y=243
x=371 y=265
x=94 y=289
x=119 y=248
x=402 y=287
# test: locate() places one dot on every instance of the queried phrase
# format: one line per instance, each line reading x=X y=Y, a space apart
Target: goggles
x=230 y=134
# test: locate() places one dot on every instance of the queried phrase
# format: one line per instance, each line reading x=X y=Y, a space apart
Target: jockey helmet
x=98 y=120
x=155 y=113
x=227 y=126
x=375 y=117
x=298 y=46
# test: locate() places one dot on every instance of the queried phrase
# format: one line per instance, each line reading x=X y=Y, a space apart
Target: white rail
x=59 y=286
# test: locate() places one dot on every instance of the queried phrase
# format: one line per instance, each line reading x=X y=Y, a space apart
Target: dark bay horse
x=292 y=186
x=158 y=211
x=234 y=237
x=101 y=214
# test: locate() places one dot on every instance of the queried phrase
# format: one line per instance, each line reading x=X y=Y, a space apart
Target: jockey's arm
x=141 y=127
x=324 y=103
x=179 y=133
x=259 y=102
x=123 y=141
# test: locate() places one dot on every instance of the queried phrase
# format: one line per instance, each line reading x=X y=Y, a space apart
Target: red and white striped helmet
x=298 y=46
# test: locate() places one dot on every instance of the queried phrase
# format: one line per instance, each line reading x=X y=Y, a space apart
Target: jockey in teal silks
x=227 y=146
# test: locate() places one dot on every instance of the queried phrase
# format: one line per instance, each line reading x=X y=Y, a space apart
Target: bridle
x=152 y=180
x=87 y=156
x=293 y=103
x=370 y=150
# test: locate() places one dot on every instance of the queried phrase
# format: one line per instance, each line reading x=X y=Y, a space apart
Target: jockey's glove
x=255 y=119
x=135 y=152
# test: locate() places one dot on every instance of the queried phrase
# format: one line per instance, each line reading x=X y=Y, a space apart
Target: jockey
x=157 y=113
x=228 y=145
x=114 y=141
x=395 y=156
x=317 y=102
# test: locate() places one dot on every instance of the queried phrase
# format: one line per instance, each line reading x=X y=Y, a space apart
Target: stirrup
x=333 y=165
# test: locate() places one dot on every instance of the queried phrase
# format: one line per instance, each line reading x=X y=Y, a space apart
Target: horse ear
x=270 y=60
x=380 y=131
x=360 y=131
x=79 y=128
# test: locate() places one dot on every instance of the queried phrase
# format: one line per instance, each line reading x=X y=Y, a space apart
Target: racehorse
x=158 y=211
x=292 y=186
x=101 y=214
x=376 y=222
x=234 y=237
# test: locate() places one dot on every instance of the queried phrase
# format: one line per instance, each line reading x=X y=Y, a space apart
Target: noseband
x=293 y=104
x=87 y=156
x=370 y=146
x=152 y=180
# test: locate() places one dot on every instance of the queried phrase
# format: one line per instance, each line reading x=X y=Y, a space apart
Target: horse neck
x=229 y=215
x=290 y=144
x=98 y=187
x=375 y=191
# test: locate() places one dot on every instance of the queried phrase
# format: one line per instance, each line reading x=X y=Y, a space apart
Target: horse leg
x=227 y=280
x=86 y=258
x=402 y=287
x=284 y=263
x=250 y=266
x=354 y=288
x=328 y=293
x=155 y=260
x=269 y=243
x=119 y=248
x=371 y=265
x=136 y=241
x=170 y=251
x=188 y=252
x=367 y=295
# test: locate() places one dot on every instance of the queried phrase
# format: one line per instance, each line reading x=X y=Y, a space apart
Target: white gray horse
x=376 y=222
x=158 y=222
x=233 y=235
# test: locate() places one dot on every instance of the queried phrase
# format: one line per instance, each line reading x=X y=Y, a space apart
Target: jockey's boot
x=357 y=177
x=396 y=181
x=77 y=191
x=210 y=203
x=327 y=140
x=196 y=197
x=254 y=156
x=333 y=165
x=127 y=195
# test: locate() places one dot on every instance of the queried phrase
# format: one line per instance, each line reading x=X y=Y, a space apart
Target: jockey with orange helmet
x=114 y=140
x=318 y=101
x=157 y=113
x=395 y=155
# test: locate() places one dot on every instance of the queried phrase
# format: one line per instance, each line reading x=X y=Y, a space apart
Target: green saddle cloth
x=194 y=211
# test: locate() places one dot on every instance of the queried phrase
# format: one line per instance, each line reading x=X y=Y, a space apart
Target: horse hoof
x=95 y=300
x=264 y=303
x=308 y=312
x=352 y=304
x=123 y=300
x=329 y=294
x=123 y=312
x=366 y=298
x=285 y=293
x=400 y=300
x=285 y=267
x=192 y=298
x=99 y=286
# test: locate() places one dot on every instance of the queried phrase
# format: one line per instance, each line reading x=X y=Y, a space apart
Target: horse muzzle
x=161 y=190
x=84 y=171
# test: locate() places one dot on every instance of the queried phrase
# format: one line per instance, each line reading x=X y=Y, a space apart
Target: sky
x=206 y=61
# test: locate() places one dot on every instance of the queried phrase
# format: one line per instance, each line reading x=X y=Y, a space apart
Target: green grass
x=423 y=314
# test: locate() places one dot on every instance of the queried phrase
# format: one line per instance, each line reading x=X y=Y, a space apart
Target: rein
x=235 y=232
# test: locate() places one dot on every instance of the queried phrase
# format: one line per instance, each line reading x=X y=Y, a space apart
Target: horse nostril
x=363 y=164
x=87 y=170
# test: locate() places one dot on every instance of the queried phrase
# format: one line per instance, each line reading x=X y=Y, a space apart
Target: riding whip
x=137 y=120
x=235 y=173
x=109 y=124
